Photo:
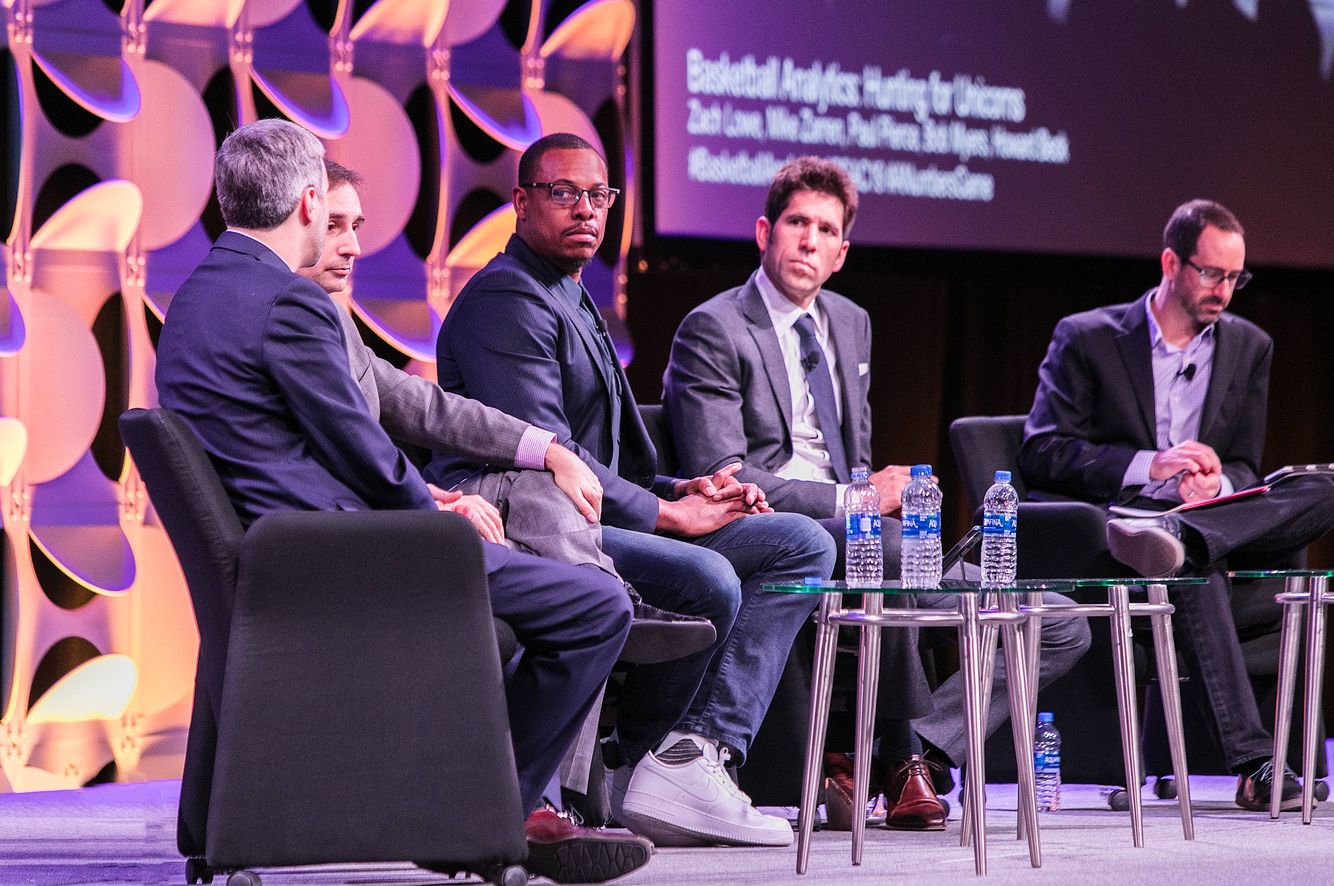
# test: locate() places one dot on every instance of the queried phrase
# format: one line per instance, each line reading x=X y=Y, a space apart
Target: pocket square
x=863 y=368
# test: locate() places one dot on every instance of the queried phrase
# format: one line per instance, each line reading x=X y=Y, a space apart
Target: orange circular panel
x=558 y=114
x=62 y=388
x=100 y=689
x=99 y=219
x=202 y=13
x=402 y=21
x=100 y=85
x=598 y=30
x=381 y=145
x=266 y=12
x=175 y=175
x=468 y=21
x=483 y=240
x=13 y=444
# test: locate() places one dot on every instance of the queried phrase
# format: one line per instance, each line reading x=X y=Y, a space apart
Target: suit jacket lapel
x=1133 y=343
x=841 y=334
x=1220 y=374
x=771 y=353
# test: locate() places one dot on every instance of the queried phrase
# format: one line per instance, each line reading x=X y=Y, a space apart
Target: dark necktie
x=822 y=391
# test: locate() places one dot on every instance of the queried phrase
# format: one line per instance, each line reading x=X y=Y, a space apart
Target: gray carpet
x=126 y=834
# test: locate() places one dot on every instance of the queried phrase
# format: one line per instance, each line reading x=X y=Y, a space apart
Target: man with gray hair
x=253 y=357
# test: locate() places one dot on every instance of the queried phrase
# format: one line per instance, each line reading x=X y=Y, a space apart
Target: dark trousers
x=1270 y=527
x=571 y=622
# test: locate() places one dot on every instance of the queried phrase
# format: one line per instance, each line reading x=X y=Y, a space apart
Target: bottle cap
x=861 y=472
x=1045 y=717
x=1002 y=476
x=921 y=471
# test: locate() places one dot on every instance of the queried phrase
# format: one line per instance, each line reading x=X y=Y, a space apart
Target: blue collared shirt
x=1179 y=392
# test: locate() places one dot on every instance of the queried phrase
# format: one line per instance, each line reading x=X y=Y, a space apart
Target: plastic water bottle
x=921 y=531
x=863 y=554
x=1047 y=764
x=1000 y=527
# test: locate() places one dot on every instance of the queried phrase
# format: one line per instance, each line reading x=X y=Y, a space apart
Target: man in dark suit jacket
x=524 y=336
x=739 y=387
x=253 y=357
x=1162 y=402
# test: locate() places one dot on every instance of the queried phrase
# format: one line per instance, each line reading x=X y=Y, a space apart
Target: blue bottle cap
x=921 y=471
x=861 y=472
x=1045 y=717
x=1002 y=476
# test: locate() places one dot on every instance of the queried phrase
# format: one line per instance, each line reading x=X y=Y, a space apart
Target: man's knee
x=809 y=545
x=716 y=588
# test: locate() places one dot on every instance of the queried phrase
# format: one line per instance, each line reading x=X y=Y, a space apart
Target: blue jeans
x=724 y=691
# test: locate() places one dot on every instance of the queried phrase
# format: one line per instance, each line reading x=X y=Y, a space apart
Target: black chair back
x=983 y=445
x=660 y=432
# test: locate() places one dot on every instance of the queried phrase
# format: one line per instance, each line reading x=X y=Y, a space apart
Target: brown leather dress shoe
x=911 y=799
x=838 y=792
x=560 y=850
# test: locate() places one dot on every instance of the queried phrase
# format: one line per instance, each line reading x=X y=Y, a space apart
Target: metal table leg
x=1164 y=646
x=1021 y=728
x=1315 y=668
x=1296 y=594
x=970 y=642
x=868 y=679
x=1119 y=598
x=822 y=678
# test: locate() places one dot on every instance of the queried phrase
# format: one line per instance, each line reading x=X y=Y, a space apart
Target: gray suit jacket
x=539 y=517
x=727 y=396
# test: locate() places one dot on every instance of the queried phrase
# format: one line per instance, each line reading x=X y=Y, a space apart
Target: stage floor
x=126 y=834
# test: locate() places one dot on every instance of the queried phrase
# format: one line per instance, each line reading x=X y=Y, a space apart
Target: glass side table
x=1301 y=587
x=1119 y=609
x=969 y=618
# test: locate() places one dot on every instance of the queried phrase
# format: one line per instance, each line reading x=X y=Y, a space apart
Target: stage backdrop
x=113 y=110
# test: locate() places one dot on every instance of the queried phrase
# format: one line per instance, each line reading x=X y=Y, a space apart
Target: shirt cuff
x=840 y=496
x=532 y=451
x=1137 y=472
x=1226 y=487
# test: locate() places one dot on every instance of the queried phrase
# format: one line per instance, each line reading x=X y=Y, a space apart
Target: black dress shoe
x=658 y=635
x=1253 y=790
x=561 y=851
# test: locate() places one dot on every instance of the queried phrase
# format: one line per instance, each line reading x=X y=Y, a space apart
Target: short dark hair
x=341 y=175
x=811 y=174
x=1183 y=230
x=557 y=141
x=261 y=170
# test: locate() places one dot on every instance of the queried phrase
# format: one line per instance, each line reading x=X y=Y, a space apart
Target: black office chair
x=348 y=689
x=1064 y=539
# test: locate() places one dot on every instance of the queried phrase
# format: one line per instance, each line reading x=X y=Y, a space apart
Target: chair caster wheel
x=1118 y=800
x=243 y=878
x=197 y=871
x=511 y=875
x=1321 y=790
x=1165 y=788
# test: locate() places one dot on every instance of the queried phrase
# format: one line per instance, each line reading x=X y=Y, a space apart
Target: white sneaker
x=681 y=796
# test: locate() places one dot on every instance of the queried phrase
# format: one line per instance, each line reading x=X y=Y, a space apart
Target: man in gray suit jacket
x=743 y=384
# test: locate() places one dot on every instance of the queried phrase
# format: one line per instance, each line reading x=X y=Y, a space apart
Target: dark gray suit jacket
x=1094 y=407
x=727 y=396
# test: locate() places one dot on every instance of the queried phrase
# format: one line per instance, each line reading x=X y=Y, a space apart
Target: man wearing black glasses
x=1162 y=402
x=525 y=337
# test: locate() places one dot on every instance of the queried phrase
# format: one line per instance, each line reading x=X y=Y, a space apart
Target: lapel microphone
x=1188 y=371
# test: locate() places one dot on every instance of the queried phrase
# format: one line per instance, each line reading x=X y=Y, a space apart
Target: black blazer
x=1094 y=406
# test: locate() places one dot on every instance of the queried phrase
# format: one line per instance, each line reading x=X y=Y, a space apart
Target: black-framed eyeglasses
x=1213 y=276
x=568 y=194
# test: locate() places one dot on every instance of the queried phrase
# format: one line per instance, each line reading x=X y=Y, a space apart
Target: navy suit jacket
x=252 y=356
x=513 y=340
x=1094 y=407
